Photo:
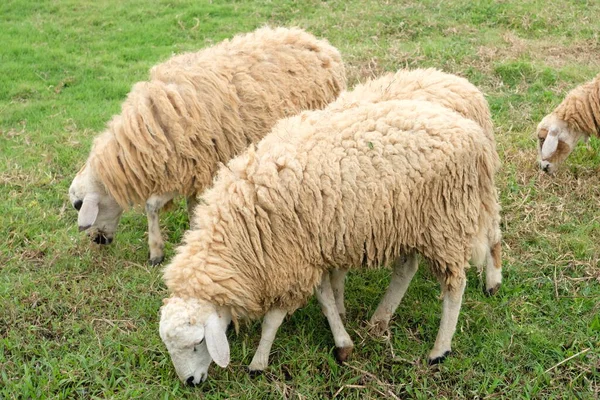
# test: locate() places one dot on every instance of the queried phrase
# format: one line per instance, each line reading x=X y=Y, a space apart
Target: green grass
x=79 y=321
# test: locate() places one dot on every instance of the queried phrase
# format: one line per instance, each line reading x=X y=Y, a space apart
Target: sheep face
x=99 y=213
x=194 y=334
x=555 y=142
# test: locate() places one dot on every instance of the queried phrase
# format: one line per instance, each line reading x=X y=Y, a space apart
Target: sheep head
x=194 y=334
x=99 y=213
x=556 y=140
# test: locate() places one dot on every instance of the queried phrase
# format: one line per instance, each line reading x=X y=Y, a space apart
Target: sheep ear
x=88 y=212
x=216 y=340
x=550 y=144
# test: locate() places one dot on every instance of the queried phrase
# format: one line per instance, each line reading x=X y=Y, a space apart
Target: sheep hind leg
x=493 y=270
x=325 y=296
x=450 y=310
x=402 y=274
x=155 y=240
x=338 y=276
x=271 y=323
x=192 y=202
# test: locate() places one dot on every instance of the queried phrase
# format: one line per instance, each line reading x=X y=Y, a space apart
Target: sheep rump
x=203 y=108
x=451 y=91
x=280 y=216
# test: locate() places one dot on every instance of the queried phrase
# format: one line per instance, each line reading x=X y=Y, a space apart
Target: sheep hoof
x=342 y=353
x=156 y=260
x=255 y=372
x=438 y=360
x=493 y=290
x=378 y=327
x=101 y=239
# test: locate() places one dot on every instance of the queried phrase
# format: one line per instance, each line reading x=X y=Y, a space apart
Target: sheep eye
x=542 y=141
x=77 y=204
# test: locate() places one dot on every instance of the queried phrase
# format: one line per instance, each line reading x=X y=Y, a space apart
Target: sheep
x=576 y=117
x=451 y=91
x=337 y=188
x=198 y=110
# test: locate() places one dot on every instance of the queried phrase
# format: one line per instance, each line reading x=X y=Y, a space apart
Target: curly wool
x=203 y=108
x=430 y=84
x=581 y=108
x=345 y=187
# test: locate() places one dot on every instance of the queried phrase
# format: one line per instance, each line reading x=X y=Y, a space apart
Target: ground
x=80 y=321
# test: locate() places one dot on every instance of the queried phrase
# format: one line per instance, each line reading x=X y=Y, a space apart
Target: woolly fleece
x=338 y=188
x=203 y=108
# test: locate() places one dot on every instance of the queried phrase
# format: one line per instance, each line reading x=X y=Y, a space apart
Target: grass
x=79 y=321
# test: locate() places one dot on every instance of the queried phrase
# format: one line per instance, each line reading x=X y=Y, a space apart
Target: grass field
x=80 y=321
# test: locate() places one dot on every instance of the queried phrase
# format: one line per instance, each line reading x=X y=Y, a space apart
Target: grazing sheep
x=198 y=110
x=577 y=117
x=450 y=91
x=336 y=188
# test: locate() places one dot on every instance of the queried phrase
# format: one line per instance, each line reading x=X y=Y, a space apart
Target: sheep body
x=576 y=117
x=349 y=186
x=200 y=109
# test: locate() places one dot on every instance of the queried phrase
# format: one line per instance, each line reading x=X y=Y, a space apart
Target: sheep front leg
x=493 y=270
x=338 y=276
x=450 y=310
x=402 y=274
x=325 y=296
x=155 y=241
x=270 y=325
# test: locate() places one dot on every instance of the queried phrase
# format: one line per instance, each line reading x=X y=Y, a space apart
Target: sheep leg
x=192 y=202
x=493 y=270
x=450 y=310
x=325 y=296
x=338 y=277
x=270 y=325
x=155 y=240
x=402 y=274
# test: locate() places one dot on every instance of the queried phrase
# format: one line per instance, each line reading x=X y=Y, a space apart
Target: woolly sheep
x=328 y=189
x=577 y=117
x=448 y=90
x=199 y=109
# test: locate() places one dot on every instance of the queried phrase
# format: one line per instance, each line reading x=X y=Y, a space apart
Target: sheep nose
x=77 y=205
x=546 y=168
x=190 y=381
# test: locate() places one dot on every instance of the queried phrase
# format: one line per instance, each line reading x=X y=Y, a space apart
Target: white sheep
x=199 y=109
x=448 y=90
x=338 y=188
x=576 y=117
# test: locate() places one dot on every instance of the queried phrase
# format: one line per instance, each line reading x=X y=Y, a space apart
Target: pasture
x=81 y=321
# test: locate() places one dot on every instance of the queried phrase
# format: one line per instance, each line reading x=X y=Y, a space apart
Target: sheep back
x=581 y=108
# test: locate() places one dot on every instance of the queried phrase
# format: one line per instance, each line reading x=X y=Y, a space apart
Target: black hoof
x=255 y=373
x=190 y=381
x=439 y=359
x=156 y=261
x=101 y=239
x=492 y=291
